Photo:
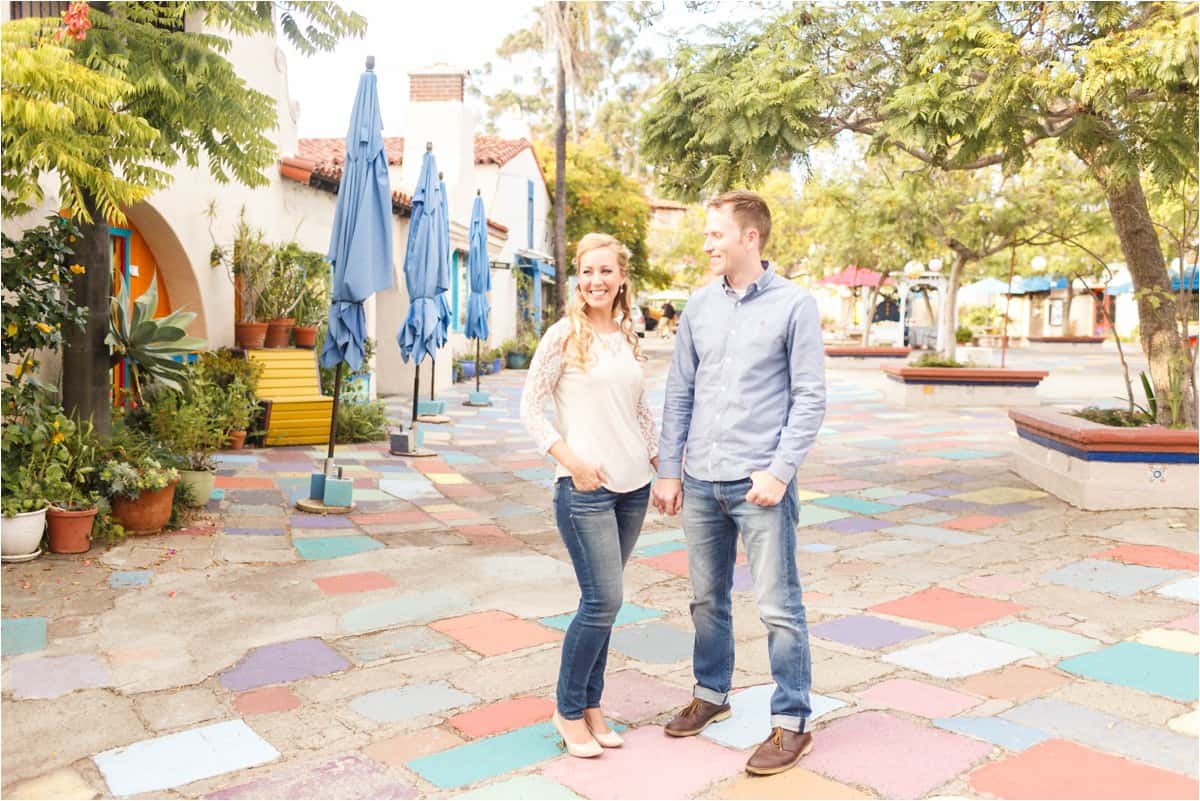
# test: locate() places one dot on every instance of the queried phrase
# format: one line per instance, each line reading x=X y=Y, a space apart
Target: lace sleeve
x=647 y=426
x=544 y=372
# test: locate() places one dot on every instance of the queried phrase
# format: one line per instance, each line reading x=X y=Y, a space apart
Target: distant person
x=668 y=320
x=605 y=444
x=744 y=402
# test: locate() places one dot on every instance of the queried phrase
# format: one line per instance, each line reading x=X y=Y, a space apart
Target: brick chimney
x=431 y=85
x=438 y=113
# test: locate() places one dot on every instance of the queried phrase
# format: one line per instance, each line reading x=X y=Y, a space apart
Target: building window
x=36 y=10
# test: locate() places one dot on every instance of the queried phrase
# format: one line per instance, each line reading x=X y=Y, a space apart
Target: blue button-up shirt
x=746 y=390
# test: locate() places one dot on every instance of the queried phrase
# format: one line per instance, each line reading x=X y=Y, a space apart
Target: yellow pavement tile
x=1171 y=639
x=805 y=495
x=999 y=495
x=61 y=783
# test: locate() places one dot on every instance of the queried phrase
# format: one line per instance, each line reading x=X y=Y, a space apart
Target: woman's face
x=600 y=278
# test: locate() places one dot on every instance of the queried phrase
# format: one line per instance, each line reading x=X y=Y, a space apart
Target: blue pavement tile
x=630 y=613
x=1113 y=578
x=660 y=548
x=1131 y=664
x=535 y=474
x=22 y=635
x=817 y=547
x=458 y=457
x=856 y=505
x=996 y=731
x=334 y=547
x=657 y=643
x=489 y=757
x=255 y=532
x=130 y=578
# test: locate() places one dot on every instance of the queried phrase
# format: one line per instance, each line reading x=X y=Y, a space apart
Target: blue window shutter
x=454 y=290
x=529 y=186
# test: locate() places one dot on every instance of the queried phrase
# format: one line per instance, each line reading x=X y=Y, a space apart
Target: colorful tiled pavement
x=971 y=636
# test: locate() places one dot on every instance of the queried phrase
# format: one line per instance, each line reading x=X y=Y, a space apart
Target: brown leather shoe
x=695 y=716
x=779 y=752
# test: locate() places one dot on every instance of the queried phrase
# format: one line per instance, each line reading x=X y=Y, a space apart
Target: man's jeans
x=713 y=514
x=599 y=529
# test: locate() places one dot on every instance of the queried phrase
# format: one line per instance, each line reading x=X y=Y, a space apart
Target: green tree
x=601 y=198
x=147 y=91
x=963 y=86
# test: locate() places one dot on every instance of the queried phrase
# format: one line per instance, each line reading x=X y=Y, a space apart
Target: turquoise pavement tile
x=1042 y=639
x=630 y=613
x=996 y=731
x=535 y=474
x=534 y=787
x=489 y=757
x=333 y=547
x=217 y=495
x=659 y=549
x=877 y=493
x=22 y=635
x=659 y=537
x=182 y=758
x=856 y=505
x=815 y=515
x=458 y=457
x=1143 y=667
x=130 y=578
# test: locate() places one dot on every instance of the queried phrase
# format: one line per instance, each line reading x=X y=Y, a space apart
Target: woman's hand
x=587 y=477
x=654 y=463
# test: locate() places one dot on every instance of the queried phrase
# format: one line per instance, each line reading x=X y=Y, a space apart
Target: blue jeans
x=599 y=529
x=714 y=512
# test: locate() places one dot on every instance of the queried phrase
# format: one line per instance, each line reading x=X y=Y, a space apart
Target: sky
x=417 y=33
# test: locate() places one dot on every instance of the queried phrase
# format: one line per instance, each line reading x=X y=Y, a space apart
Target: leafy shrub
x=361 y=422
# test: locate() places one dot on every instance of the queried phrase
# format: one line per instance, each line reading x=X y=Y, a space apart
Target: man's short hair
x=749 y=211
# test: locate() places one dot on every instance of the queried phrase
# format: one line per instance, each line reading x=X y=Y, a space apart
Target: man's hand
x=667 y=495
x=766 y=490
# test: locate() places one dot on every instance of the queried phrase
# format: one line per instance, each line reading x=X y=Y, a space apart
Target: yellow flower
x=11 y=329
x=78 y=269
x=20 y=369
x=57 y=438
x=45 y=328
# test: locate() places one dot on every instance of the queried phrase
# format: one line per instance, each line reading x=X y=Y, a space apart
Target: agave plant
x=149 y=344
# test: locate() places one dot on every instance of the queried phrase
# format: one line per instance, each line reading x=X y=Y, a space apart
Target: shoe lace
x=777 y=738
x=692 y=708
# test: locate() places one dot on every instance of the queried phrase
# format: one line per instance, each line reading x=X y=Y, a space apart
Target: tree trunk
x=1165 y=349
x=947 y=322
x=870 y=303
x=88 y=390
x=1066 y=332
x=560 y=195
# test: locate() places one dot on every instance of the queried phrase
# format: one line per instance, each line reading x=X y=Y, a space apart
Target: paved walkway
x=972 y=636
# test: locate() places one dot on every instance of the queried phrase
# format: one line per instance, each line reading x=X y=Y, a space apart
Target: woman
x=605 y=445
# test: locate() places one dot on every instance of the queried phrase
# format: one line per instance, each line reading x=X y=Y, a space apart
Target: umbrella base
x=436 y=419
x=317 y=507
x=477 y=399
x=418 y=453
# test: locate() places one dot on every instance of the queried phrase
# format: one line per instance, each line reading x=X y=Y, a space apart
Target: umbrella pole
x=477 y=365
x=337 y=394
x=432 y=377
x=416 y=390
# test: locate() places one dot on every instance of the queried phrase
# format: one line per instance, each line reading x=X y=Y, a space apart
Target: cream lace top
x=601 y=413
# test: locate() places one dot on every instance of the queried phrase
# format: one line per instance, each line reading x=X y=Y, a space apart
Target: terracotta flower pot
x=279 y=332
x=145 y=514
x=250 y=335
x=237 y=440
x=305 y=336
x=70 y=531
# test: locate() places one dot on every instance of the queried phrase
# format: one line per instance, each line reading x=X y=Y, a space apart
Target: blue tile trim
x=1146 y=457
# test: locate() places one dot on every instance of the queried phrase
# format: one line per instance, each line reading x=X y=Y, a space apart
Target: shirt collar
x=758 y=285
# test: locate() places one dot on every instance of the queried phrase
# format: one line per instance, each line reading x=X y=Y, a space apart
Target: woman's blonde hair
x=578 y=345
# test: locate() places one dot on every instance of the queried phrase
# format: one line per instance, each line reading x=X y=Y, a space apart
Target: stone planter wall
x=925 y=387
x=1097 y=467
x=1067 y=344
x=869 y=352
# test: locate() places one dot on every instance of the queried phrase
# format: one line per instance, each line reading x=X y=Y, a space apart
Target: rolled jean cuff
x=789 y=722
x=712 y=696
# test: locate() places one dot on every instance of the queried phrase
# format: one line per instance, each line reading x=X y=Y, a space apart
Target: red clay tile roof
x=329 y=152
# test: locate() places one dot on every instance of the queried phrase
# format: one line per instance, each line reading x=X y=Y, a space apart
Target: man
x=745 y=398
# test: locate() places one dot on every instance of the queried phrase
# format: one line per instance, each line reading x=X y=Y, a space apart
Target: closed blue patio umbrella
x=480 y=276
x=426 y=273
x=360 y=247
x=444 y=312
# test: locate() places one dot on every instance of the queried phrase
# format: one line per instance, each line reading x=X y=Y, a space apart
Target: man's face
x=725 y=243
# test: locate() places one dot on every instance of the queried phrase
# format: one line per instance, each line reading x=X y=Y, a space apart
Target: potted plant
x=191 y=424
x=518 y=351
x=141 y=492
x=74 y=502
x=248 y=265
x=282 y=294
x=313 y=308
x=240 y=406
x=237 y=377
x=33 y=456
x=496 y=357
x=465 y=368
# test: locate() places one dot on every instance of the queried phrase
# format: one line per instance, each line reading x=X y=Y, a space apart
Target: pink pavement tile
x=504 y=716
x=1063 y=769
x=633 y=696
x=651 y=765
x=895 y=757
x=673 y=562
x=244 y=482
x=382 y=518
x=922 y=461
x=973 y=522
x=268 y=699
x=488 y=535
x=919 y=698
x=1189 y=623
x=494 y=632
x=995 y=585
x=354 y=582
x=1152 y=556
x=948 y=608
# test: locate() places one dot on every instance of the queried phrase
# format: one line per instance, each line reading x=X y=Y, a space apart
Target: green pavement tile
x=333 y=547
x=856 y=505
x=1143 y=667
x=630 y=613
x=533 y=787
x=815 y=515
x=22 y=635
x=1042 y=639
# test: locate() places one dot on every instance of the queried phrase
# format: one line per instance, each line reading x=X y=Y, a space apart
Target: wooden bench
x=297 y=412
